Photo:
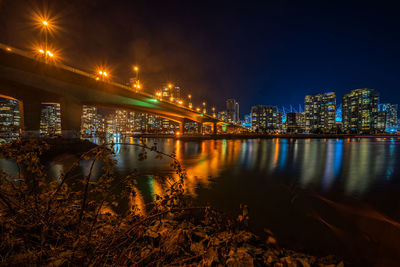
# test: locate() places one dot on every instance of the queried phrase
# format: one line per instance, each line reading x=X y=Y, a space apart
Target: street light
x=190 y=100
x=45 y=24
x=204 y=108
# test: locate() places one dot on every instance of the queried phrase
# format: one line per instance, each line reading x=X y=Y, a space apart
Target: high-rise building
x=10 y=120
x=381 y=122
x=295 y=122
x=50 y=119
x=232 y=110
x=223 y=116
x=319 y=112
x=360 y=111
x=391 y=122
x=264 y=119
x=92 y=121
x=171 y=93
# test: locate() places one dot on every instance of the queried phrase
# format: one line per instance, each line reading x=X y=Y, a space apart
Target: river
x=321 y=196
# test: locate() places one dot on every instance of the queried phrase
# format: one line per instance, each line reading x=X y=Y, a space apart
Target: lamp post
x=204 y=108
x=190 y=100
x=45 y=24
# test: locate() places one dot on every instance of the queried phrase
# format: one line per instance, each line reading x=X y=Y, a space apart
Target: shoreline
x=261 y=136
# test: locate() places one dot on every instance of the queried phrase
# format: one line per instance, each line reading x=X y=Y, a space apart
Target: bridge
x=30 y=81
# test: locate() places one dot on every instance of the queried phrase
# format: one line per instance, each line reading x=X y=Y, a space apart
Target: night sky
x=272 y=53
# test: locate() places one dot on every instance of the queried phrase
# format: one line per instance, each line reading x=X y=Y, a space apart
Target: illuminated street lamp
x=204 y=108
x=103 y=74
x=213 y=110
x=198 y=109
x=190 y=101
x=45 y=25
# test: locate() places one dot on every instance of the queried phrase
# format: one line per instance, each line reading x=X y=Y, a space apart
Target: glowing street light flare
x=41 y=51
x=45 y=23
x=198 y=109
x=136 y=68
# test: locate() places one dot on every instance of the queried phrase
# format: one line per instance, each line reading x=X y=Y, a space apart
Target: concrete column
x=200 y=127
x=181 y=127
x=30 y=110
x=215 y=129
x=71 y=113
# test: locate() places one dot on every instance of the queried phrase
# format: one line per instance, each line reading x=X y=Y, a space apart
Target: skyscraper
x=92 y=121
x=319 y=112
x=360 y=111
x=50 y=120
x=264 y=119
x=391 y=120
x=295 y=122
x=232 y=110
x=10 y=120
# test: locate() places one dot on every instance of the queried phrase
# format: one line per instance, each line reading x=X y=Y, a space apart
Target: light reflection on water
x=261 y=173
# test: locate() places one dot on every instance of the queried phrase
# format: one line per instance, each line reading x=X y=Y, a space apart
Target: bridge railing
x=31 y=55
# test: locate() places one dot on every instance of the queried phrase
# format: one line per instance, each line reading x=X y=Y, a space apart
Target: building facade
x=295 y=122
x=391 y=121
x=50 y=119
x=10 y=120
x=360 y=111
x=264 y=119
x=232 y=110
x=319 y=110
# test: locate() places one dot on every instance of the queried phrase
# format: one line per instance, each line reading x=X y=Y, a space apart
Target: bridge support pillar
x=215 y=129
x=30 y=111
x=71 y=113
x=200 y=127
x=181 y=127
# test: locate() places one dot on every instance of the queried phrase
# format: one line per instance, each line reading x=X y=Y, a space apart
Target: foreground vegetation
x=72 y=220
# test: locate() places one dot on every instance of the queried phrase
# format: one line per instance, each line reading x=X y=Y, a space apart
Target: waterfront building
x=391 y=122
x=223 y=116
x=92 y=122
x=295 y=122
x=232 y=110
x=360 y=111
x=10 y=119
x=264 y=119
x=320 y=113
x=50 y=119
x=381 y=121
x=171 y=93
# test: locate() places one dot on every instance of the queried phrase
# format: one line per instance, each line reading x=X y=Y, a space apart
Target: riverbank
x=190 y=137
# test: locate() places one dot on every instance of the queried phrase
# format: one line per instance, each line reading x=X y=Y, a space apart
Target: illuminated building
x=295 y=122
x=223 y=116
x=91 y=122
x=264 y=119
x=50 y=119
x=391 y=121
x=10 y=120
x=381 y=122
x=360 y=111
x=232 y=110
x=170 y=93
x=319 y=112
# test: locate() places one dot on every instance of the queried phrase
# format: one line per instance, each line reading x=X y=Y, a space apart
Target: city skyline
x=357 y=51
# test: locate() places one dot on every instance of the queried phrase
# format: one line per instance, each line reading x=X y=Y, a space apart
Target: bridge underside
x=32 y=83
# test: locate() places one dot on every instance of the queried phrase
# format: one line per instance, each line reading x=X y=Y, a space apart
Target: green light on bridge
x=154 y=100
x=202 y=114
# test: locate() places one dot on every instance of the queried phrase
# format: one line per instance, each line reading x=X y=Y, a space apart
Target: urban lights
x=102 y=75
x=190 y=101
